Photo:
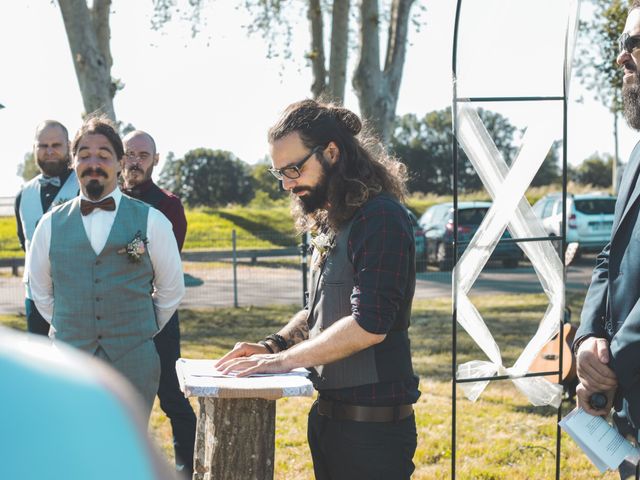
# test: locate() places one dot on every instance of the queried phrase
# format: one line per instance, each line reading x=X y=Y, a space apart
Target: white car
x=589 y=218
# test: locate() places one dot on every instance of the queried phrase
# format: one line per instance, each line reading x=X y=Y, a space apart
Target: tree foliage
x=425 y=146
x=205 y=177
x=28 y=168
x=595 y=170
x=598 y=49
x=263 y=181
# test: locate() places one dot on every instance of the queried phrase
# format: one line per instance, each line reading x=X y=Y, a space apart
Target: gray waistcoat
x=329 y=300
x=101 y=300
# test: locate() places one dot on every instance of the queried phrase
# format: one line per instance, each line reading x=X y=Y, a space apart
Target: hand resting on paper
x=242 y=366
x=242 y=349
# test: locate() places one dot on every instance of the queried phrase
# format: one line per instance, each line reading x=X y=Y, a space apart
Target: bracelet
x=280 y=342
x=267 y=346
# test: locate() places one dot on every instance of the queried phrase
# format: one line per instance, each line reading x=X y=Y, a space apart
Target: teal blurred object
x=66 y=415
x=191 y=281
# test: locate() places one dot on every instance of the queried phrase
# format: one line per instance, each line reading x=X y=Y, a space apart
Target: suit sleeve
x=594 y=310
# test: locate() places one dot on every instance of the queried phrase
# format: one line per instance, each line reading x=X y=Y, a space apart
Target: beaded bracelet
x=280 y=342
x=267 y=346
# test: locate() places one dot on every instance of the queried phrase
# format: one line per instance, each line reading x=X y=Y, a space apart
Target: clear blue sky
x=220 y=91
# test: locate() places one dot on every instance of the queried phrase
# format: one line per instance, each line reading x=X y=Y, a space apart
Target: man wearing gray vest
x=55 y=184
x=354 y=331
x=104 y=268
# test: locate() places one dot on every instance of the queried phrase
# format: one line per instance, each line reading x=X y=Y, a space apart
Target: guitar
x=548 y=360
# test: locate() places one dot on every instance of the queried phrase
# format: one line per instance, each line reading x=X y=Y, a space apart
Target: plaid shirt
x=382 y=252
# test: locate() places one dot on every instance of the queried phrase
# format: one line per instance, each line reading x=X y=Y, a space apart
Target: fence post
x=304 y=249
x=235 y=265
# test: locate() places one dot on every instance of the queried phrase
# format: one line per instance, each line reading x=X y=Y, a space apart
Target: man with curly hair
x=353 y=333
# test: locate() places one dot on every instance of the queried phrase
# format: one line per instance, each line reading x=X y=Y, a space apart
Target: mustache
x=92 y=171
x=300 y=189
x=135 y=168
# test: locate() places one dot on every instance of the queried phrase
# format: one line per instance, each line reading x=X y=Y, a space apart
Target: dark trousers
x=627 y=470
x=349 y=450
x=172 y=400
x=35 y=322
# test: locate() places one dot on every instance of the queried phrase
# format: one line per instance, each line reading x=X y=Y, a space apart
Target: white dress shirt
x=168 y=280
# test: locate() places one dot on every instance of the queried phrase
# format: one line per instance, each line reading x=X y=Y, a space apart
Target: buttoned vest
x=330 y=292
x=101 y=300
x=31 y=204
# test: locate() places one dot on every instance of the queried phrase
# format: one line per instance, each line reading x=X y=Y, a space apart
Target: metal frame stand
x=561 y=239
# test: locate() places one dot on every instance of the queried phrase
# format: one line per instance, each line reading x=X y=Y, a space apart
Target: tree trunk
x=88 y=34
x=319 y=72
x=339 y=49
x=378 y=90
x=235 y=439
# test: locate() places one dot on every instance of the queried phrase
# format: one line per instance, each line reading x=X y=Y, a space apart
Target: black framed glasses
x=293 y=171
x=628 y=43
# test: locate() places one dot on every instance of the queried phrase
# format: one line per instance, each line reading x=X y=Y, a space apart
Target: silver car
x=589 y=218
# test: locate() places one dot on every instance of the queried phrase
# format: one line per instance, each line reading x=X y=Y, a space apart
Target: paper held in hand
x=599 y=440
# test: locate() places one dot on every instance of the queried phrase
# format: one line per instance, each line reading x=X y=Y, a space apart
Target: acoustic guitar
x=548 y=360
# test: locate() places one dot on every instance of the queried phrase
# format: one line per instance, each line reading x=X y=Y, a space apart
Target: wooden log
x=235 y=439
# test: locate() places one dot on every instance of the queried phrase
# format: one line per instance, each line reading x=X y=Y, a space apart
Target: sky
x=219 y=90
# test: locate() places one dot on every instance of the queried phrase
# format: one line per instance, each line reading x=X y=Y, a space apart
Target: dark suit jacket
x=612 y=305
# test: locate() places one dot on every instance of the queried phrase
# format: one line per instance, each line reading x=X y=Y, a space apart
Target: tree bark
x=88 y=34
x=316 y=56
x=339 y=49
x=235 y=439
x=378 y=90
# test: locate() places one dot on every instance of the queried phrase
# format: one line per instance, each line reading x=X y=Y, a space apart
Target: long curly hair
x=363 y=169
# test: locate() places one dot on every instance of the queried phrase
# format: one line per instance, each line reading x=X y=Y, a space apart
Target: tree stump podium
x=235 y=439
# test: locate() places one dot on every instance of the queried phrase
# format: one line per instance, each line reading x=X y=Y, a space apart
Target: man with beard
x=55 y=184
x=607 y=344
x=104 y=268
x=137 y=167
x=354 y=331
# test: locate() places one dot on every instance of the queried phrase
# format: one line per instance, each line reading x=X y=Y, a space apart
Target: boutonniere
x=135 y=248
x=60 y=201
x=323 y=243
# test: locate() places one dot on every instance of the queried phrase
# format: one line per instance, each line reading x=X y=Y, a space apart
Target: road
x=261 y=285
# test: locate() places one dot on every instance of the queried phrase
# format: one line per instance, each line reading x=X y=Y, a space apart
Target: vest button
x=98 y=262
x=98 y=317
x=97 y=280
x=99 y=337
x=98 y=299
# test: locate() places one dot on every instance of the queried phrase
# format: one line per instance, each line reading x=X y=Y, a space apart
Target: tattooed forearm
x=297 y=330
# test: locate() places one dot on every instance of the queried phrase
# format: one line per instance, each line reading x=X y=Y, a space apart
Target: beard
x=316 y=197
x=129 y=181
x=54 y=169
x=94 y=189
x=631 y=103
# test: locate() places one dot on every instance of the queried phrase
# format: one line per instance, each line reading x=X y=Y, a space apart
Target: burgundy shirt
x=165 y=201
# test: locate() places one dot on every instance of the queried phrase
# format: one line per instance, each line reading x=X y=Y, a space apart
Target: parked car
x=437 y=223
x=589 y=218
x=421 y=243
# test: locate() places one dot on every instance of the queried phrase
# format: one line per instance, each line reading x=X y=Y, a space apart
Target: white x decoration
x=509 y=208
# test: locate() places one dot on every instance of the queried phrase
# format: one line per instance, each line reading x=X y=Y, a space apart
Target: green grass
x=501 y=436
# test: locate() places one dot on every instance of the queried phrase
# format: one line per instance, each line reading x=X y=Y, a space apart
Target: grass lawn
x=501 y=436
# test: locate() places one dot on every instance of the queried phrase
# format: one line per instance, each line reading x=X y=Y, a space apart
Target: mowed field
x=501 y=436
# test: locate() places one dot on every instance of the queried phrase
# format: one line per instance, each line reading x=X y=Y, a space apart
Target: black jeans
x=349 y=450
x=172 y=400
x=35 y=321
x=627 y=470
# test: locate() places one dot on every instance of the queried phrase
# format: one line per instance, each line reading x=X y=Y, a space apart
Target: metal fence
x=269 y=269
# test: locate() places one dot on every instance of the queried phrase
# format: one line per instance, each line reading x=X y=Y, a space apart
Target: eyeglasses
x=628 y=43
x=293 y=171
x=142 y=156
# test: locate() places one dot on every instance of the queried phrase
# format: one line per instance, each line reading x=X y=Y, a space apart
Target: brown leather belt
x=359 y=413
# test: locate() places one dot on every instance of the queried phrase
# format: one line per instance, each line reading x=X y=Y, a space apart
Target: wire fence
x=252 y=275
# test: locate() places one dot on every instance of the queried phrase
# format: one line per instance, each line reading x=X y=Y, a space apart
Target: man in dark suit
x=137 y=166
x=607 y=343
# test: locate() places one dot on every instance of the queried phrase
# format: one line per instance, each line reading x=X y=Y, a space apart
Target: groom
x=104 y=268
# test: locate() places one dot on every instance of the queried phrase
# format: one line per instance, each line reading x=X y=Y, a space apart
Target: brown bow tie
x=86 y=207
